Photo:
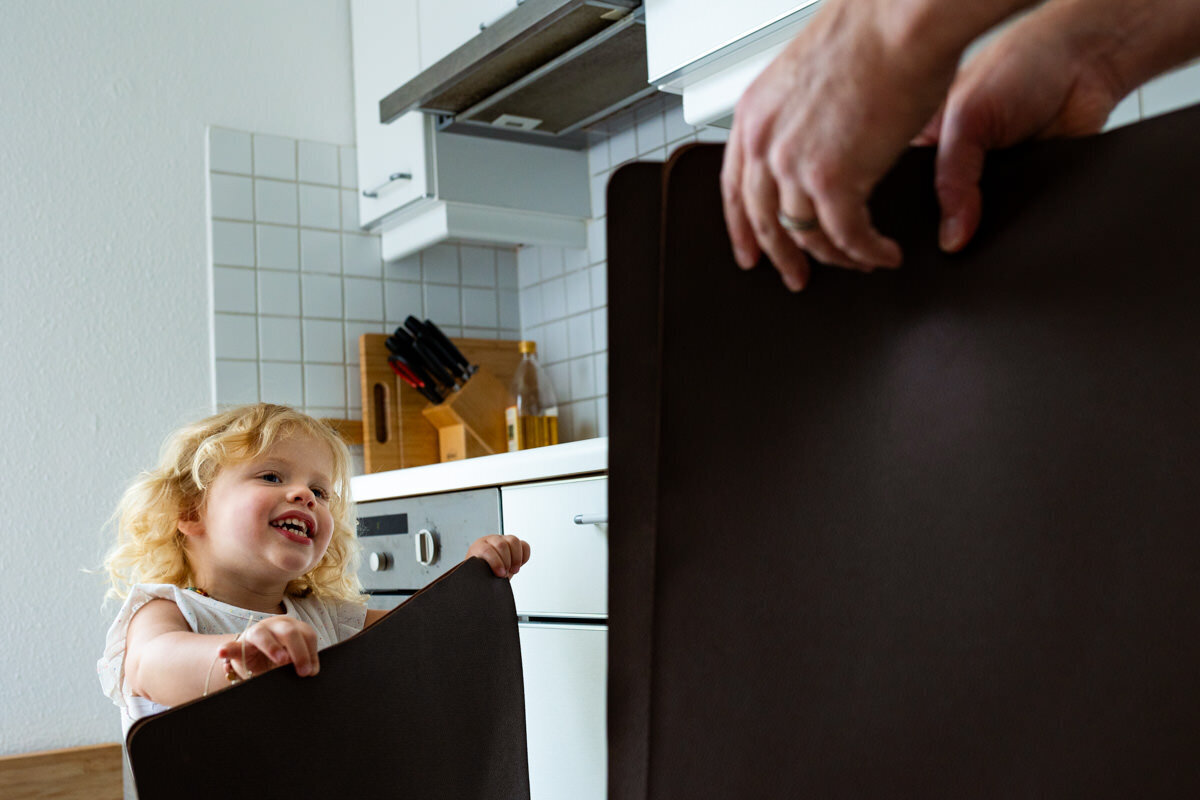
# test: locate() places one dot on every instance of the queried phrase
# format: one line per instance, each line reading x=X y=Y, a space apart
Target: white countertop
x=541 y=463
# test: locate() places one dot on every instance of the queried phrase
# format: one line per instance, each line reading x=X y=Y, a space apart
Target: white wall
x=104 y=302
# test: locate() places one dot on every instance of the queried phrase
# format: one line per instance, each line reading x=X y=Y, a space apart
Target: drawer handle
x=591 y=519
x=395 y=176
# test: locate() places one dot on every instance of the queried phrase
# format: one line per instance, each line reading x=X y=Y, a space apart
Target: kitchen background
x=110 y=300
x=296 y=281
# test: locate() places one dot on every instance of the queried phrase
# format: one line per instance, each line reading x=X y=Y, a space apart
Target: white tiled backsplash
x=295 y=281
x=564 y=300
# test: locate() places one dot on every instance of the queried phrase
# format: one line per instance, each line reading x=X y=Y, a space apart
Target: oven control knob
x=379 y=562
x=426 y=547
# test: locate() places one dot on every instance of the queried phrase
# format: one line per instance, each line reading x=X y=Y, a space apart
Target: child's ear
x=190 y=524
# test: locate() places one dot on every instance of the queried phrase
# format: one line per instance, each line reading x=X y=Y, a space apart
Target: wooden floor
x=76 y=773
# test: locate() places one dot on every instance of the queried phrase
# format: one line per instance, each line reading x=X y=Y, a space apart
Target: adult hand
x=818 y=129
x=504 y=554
x=1045 y=76
x=273 y=642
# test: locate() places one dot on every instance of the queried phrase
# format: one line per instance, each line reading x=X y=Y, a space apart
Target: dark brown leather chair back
x=929 y=533
x=427 y=703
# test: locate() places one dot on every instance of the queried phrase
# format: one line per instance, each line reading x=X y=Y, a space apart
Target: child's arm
x=169 y=664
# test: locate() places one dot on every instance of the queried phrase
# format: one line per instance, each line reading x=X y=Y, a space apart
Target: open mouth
x=294 y=528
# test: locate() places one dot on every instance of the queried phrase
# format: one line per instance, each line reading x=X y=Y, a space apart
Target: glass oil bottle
x=532 y=419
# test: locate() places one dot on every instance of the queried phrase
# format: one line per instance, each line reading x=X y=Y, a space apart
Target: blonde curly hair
x=150 y=547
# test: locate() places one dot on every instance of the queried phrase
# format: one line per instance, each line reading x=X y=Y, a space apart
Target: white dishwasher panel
x=567 y=575
x=564 y=675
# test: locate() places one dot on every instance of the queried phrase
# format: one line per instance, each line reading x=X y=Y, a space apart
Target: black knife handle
x=433 y=366
x=430 y=388
x=436 y=343
x=444 y=359
x=402 y=344
x=431 y=394
x=449 y=346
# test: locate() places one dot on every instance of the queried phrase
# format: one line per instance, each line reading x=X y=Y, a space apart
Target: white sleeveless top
x=333 y=621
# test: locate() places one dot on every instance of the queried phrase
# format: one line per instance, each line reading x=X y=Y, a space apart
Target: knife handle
x=444 y=359
x=404 y=345
x=414 y=379
x=449 y=346
x=434 y=368
x=437 y=345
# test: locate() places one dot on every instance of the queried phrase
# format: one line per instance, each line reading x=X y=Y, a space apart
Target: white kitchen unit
x=711 y=58
x=391 y=158
x=564 y=635
x=446 y=25
x=416 y=523
x=419 y=186
x=1170 y=92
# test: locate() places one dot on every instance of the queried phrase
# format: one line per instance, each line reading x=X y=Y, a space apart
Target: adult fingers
x=932 y=131
x=741 y=234
x=794 y=203
x=761 y=195
x=846 y=220
x=960 y=160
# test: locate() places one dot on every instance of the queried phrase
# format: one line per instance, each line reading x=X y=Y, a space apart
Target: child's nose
x=302 y=494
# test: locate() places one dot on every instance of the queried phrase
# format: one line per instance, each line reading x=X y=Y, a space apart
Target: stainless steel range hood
x=539 y=74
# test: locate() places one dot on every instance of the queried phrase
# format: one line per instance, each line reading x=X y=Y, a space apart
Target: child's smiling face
x=264 y=521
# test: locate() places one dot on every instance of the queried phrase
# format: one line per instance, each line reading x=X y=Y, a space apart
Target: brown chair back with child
x=931 y=532
x=425 y=703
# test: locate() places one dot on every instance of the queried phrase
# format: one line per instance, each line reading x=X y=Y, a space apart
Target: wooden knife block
x=470 y=422
x=396 y=434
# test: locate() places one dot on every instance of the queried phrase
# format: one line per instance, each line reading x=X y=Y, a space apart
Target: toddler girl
x=237 y=554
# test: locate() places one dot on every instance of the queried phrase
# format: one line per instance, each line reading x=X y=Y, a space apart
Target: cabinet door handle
x=395 y=176
x=591 y=519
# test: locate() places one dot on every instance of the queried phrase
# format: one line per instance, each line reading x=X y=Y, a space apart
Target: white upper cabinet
x=446 y=26
x=418 y=185
x=676 y=36
x=1172 y=91
x=385 y=55
x=711 y=58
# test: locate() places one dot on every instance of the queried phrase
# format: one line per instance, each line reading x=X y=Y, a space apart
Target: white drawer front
x=568 y=572
x=565 y=668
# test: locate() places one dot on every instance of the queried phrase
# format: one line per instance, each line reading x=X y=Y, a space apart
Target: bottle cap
x=527 y=347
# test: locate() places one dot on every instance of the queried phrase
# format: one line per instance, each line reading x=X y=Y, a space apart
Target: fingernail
x=742 y=258
x=503 y=572
x=793 y=283
x=950 y=234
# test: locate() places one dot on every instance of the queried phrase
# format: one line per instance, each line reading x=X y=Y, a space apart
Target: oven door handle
x=591 y=519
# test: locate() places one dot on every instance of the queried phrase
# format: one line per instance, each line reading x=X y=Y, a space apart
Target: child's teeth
x=295 y=524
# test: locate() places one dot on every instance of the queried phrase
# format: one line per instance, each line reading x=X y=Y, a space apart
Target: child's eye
x=272 y=477
x=320 y=492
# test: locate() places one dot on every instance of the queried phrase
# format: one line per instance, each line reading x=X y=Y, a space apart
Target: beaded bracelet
x=230 y=673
